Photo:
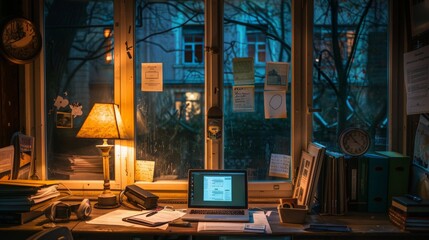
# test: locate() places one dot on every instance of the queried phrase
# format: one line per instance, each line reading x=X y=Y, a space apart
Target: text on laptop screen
x=217 y=188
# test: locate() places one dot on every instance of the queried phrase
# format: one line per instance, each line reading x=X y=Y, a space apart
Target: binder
x=399 y=172
x=352 y=182
x=378 y=174
x=362 y=188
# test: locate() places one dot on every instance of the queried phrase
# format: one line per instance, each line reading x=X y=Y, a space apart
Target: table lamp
x=104 y=121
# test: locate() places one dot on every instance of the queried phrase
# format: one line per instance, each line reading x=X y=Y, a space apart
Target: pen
x=413 y=197
x=151 y=214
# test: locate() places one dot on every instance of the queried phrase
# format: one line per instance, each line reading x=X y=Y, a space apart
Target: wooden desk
x=17 y=232
x=364 y=226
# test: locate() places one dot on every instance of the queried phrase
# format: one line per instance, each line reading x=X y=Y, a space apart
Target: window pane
x=194 y=39
x=250 y=138
x=79 y=72
x=350 y=70
x=170 y=124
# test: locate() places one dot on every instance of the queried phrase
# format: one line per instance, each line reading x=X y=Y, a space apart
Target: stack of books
x=409 y=214
x=332 y=192
x=23 y=200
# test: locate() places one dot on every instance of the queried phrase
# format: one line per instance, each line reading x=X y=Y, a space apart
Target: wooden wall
x=9 y=82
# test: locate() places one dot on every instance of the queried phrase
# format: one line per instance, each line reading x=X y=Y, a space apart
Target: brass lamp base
x=107 y=201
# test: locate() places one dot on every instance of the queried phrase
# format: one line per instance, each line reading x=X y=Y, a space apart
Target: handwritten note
x=243 y=98
x=144 y=170
x=279 y=165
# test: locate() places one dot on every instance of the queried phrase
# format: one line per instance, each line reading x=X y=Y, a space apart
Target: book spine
x=18 y=218
x=352 y=182
x=362 y=198
x=10 y=218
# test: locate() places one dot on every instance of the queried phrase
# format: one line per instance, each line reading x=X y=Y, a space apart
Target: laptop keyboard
x=215 y=211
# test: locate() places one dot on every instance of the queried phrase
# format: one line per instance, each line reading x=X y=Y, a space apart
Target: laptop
x=217 y=196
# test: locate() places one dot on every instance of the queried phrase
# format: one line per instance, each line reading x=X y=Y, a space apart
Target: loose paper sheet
x=243 y=71
x=243 y=98
x=416 y=71
x=115 y=218
x=275 y=104
x=144 y=170
x=152 y=77
x=165 y=215
x=279 y=165
x=276 y=76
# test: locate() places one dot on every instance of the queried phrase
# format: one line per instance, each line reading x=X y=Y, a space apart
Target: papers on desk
x=155 y=218
x=115 y=218
x=259 y=224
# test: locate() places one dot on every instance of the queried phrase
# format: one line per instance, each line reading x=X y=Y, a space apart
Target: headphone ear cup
x=84 y=209
x=50 y=212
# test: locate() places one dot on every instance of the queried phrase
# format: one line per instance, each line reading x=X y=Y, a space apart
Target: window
x=193 y=42
x=170 y=124
x=349 y=67
x=250 y=138
x=256 y=45
x=78 y=49
x=350 y=70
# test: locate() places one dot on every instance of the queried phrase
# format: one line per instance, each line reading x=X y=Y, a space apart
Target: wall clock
x=21 y=41
x=354 y=141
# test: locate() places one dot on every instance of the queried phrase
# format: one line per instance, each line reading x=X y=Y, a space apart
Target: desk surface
x=364 y=226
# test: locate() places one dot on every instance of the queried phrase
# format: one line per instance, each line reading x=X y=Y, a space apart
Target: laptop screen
x=217 y=188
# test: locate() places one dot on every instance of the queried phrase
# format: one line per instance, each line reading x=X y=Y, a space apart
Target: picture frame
x=64 y=120
x=302 y=184
x=318 y=151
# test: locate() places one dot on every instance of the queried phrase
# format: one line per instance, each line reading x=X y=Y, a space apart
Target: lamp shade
x=103 y=121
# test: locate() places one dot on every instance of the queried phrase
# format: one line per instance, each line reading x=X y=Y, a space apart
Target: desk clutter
x=21 y=201
x=365 y=183
x=410 y=213
x=290 y=212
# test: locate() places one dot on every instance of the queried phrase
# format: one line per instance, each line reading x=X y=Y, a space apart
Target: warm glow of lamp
x=108 y=58
x=107 y=32
x=104 y=121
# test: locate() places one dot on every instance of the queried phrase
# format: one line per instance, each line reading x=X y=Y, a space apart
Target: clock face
x=354 y=141
x=21 y=42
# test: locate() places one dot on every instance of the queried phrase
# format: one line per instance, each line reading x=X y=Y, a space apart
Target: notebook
x=217 y=195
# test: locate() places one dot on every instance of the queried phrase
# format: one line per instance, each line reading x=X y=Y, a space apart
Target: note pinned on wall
x=144 y=170
x=279 y=165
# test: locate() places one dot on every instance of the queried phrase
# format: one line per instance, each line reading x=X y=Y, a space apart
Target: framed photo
x=302 y=184
x=64 y=120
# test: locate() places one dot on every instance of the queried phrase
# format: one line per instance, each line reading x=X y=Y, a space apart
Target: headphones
x=61 y=212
